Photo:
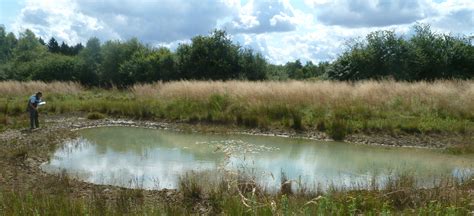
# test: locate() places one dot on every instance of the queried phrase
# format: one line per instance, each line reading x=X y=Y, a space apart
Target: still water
x=155 y=159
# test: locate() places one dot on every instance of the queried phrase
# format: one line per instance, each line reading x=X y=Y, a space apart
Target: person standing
x=33 y=103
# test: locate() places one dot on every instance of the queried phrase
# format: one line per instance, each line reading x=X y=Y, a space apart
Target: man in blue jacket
x=33 y=103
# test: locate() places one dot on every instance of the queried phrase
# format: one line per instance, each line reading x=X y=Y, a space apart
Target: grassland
x=336 y=108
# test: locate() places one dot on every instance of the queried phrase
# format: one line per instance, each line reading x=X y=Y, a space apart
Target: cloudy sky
x=282 y=30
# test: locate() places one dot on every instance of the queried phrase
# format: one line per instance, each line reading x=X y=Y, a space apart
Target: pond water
x=155 y=159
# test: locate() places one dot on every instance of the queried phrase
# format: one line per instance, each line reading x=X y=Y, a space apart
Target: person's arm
x=32 y=101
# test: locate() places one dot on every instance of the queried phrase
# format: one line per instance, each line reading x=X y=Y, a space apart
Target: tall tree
x=76 y=49
x=53 y=46
x=27 y=50
x=7 y=44
x=42 y=41
x=114 y=53
x=294 y=69
x=209 y=57
x=252 y=66
x=65 y=49
x=424 y=56
x=54 y=67
x=89 y=60
x=148 y=65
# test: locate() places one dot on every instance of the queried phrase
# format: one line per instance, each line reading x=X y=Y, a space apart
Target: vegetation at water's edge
x=337 y=108
x=239 y=195
x=425 y=55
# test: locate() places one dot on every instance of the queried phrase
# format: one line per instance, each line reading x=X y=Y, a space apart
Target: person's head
x=39 y=94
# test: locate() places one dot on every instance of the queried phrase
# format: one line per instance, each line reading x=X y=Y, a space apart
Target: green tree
x=89 y=60
x=27 y=50
x=149 y=65
x=54 y=67
x=209 y=57
x=7 y=44
x=65 y=49
x=76 y=49
x=276 y=72
x=41 y=41
x=438 y=56
x=294 y=70
x=252 y=66
x=425 y=56
x=114 y=53
x=53 y=46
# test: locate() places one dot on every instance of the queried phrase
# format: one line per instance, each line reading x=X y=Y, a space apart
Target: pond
x=155 y=159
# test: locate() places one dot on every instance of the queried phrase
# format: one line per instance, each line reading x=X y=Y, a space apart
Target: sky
x=282 y=30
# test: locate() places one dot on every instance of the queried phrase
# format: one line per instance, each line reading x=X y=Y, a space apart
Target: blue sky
x=282 y=30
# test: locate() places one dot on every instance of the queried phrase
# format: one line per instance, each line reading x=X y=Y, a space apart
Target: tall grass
x=367 y=105
x=446 y=95
x=337 y=108
x=240 y=195
x=16 y=88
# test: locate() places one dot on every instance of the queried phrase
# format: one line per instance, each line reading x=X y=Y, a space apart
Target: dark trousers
x=34 y=122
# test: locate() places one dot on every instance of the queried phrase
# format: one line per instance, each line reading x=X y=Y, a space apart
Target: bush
x=95 y=116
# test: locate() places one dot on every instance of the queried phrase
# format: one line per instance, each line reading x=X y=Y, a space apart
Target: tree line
x=426 y=55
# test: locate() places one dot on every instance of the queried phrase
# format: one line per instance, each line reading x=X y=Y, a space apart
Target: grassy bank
x=239 y=195
x=337 y=108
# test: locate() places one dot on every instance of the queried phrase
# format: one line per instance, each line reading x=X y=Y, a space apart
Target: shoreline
x=22 y=171
x=422 y=141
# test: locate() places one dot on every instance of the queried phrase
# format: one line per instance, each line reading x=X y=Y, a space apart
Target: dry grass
x=336 y=108
x=452 y=96
x=16 y=88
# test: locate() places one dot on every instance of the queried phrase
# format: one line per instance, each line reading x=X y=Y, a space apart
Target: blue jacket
x=33 y=101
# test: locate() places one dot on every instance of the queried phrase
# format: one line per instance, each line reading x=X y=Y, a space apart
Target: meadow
x=336 y=108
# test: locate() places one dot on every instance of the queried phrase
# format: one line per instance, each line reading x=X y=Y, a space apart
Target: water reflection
x=137 y=157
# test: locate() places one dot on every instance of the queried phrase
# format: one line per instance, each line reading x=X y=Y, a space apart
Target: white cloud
x=61 y=19
x=150 y=21
x=264 y=17
x=365 y=13
x=455 y=16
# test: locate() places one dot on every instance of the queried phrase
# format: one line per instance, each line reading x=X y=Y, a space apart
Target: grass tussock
x=95 y=116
